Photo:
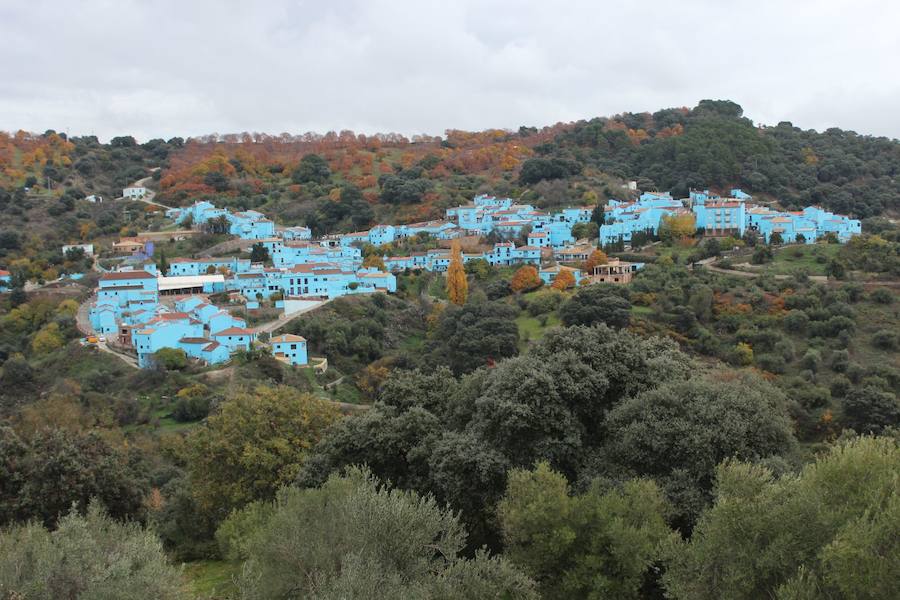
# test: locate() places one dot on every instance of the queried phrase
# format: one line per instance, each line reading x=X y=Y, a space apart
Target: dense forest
x=721 y=432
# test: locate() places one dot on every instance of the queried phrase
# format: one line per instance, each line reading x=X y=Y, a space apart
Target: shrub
x=840 y=361
x=92 y=556
x=742 y=354
x=796 y=321
x=881 y=296
x=812 y=396
x=771 y=363
x=598 y=303
x=497 y=289
x=192 y=403
x=811 y=360
x=886 y=340
x=170 y=359
x=840 y=385
x=544 y=302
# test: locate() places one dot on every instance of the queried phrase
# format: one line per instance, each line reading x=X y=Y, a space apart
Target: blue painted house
x=382 y=234
x=234 y=338
x=290 y=349
x=5 y=279
x=162 y=334
x=298 y=233
x=121 y=287
x=202 y=266
x=204 y=349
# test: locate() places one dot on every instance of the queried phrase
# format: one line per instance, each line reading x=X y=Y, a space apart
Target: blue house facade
x=290 y=349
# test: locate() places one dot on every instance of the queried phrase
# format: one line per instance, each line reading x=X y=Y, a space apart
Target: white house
x=94 y=198
x=134 y=193
x=88 y=248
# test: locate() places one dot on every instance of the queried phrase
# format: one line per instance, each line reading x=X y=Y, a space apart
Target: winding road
x=148 y=199
x=83 y=322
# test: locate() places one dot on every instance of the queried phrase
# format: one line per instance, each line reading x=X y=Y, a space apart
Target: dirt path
x=148 y=199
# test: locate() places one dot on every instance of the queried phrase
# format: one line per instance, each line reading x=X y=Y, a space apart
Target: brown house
x=129 y=246
x=615 y=271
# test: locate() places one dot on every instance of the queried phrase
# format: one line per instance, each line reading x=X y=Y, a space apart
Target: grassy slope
x=812 y=258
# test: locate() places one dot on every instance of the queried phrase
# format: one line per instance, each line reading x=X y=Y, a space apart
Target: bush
x=840 y=385
x=796 y=321
x=85 y=557
x=881 y=296
x=771 y=363
x=811 y=360
x=192 y=404
x=497 y=289
x=544 y=302
x=886 y=340
x=840 y=361
x=170 y=359
x=812 y=396
x=598 y=303
x=871 y=410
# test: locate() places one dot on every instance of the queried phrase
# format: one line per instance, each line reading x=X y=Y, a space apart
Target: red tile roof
x=233 y=331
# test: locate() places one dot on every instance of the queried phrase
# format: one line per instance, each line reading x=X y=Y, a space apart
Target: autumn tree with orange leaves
x=597 y=257
x=457 y=284
x=564 y=280
x=525 y=279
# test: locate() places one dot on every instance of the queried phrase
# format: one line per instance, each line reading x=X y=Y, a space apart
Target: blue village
x=148 y=311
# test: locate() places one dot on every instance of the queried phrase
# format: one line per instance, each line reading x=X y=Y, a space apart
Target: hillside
x=491 y=433
x=363 y=179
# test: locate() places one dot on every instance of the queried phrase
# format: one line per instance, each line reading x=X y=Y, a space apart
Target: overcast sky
x=161 y=68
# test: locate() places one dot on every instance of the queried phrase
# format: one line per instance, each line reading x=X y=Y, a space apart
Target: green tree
x=355 y=538
x=680 y=431
x=836 y=268
x=537 y=169
x=471 y=336
x=90 y=556
x=832 y=531
x=588 y=230
x=478 y=267
x=869 y=409
x=48 y=339
x=259 y=253
x=254 y=444
x=762 y=255
x=163 y=264
x=600 y=544
x=170 y=359
x=312 y=169
x=56 y=470
x=598 y=303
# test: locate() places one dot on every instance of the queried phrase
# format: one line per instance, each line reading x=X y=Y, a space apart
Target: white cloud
x=158 y=69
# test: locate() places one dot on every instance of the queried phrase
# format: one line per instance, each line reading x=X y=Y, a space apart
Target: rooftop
x=287 y=337
x=233 y=331
x=124 y=275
